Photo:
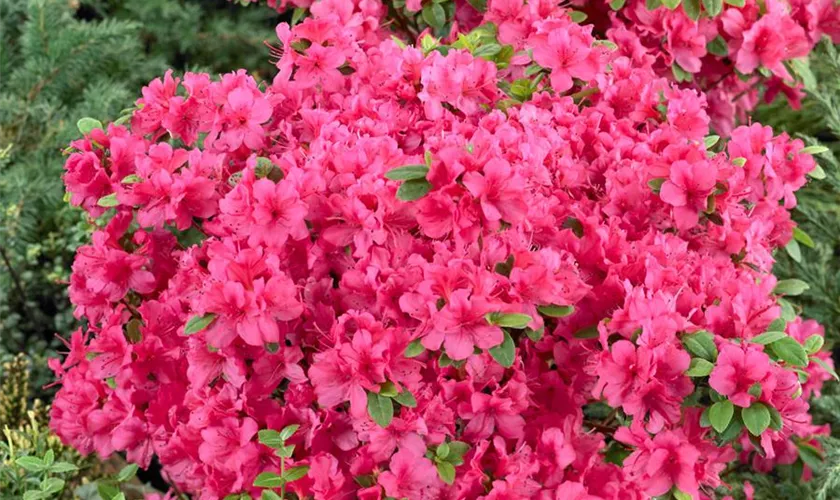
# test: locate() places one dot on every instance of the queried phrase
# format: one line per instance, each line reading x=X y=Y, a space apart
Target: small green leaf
x=652 y=4
x=408 y=173
x=788 y=312
x=63 y=467
x=49 y=458
x=488 y=51
x=380 y=409
x=32 y=464
x=414 y=189
x=270 y=438
x=733 y=431
x=289 y=431
x=434 y=15
x=508 y=320
x=269 y=480
x=692 y=9
x=579 y=17
x=790 y=287
x=735 y=3
x=555 y=311
x=656 y=183
x=534 y=335
x=720 y=414
x=107 y=490
x=589 y=332
x=457 y=450
x=87 y=125
x=699 y=368
x=446 y=471
x=295 y=473
x=710 y=141
x=755 y=390
x=718 y=47
x=198 y=323
x=701 y=344
x=756 y=418
x=52 y=485
x=671 y=4
x=680 y=495
x=617 y=4
x=768 y=337
x=505 y=353
x=809 y=454
x=802 y=237
x=813 y=150
x=108 y=201
x=127 y=473
x=442 y=451
x=792 y=249
x=406 y=398
x=790 y=351
x=739 y=161
x=269 y=495
x=388 y=389
x=818 y=173
x=814 y=344
x=298 y=14
x=285 y=451
x=414 y=349
x=775 y=419
x=680 y=74
x=713 y=7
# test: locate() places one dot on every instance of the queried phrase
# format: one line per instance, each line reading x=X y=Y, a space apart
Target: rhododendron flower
x=461 y=326
x=687 y=189
x=736 y=370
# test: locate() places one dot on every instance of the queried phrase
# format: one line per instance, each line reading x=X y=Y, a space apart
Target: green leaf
x=756 y=418
x=108 y=490
x=577 y=16
x=802 y=69
x=589 y=332
x=198 y=323
x=680 y=74
x=446 y=471
x=814 y=344
x=692 y=9
x=720 y=414
x=414 y=349
x=617 y=4
x=108 y=201
x=671 y=4
x=508 y=320
x=788 y=312
x=768 y=337
x=713 y=7
x=442 y=451
x=792 y=249
x=818 y=173
x=408 y=173
x=269 y=480
x=32 y=464
x=534 y=335
x=802 y=237
x=414 y=189
x=34 y=495
x=775 y=418
x=733 y=431
x=790 y=287
x=755 y=390
x=656 y=184
x=790 y=351
x=434 y=15
x=810 y=455
x=505 y=353
x=295 y=473
x=739 y=161
x=699 y=368
x=269 y=495
x=457 y=450
x=652 y=4
x=63 y=467
x=127 y=473
x=380 y=409
x=270 y=438
x=680 y=495
x=406 y=398
x=87 y=125
x=49 y=458
x=710 y=141
x=735 y=3
x=701 y=344
x=718 y=47
x=813 y=150
x=298 y=14
x=52 y=485
x=555 y=311
x=488 y=51
x=285 y=451
x=289 y=431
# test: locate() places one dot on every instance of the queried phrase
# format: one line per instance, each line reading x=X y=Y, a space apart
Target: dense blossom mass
x=463 y=271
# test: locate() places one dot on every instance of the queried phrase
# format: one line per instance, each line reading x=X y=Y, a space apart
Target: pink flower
x=410 y=476
x=566 y=49
x=499 y=191
x=736 y=370
x=461 y=326
x=687 y=189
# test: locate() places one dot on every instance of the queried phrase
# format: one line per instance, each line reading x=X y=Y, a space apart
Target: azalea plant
x=363 y=278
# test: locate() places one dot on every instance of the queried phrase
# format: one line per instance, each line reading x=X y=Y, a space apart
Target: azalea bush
x=365 y=277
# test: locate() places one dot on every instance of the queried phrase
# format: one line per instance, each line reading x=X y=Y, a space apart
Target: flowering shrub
x=363 y=278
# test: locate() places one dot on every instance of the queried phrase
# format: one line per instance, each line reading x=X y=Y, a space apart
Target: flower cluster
x=362 y=279
x=738 y=52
